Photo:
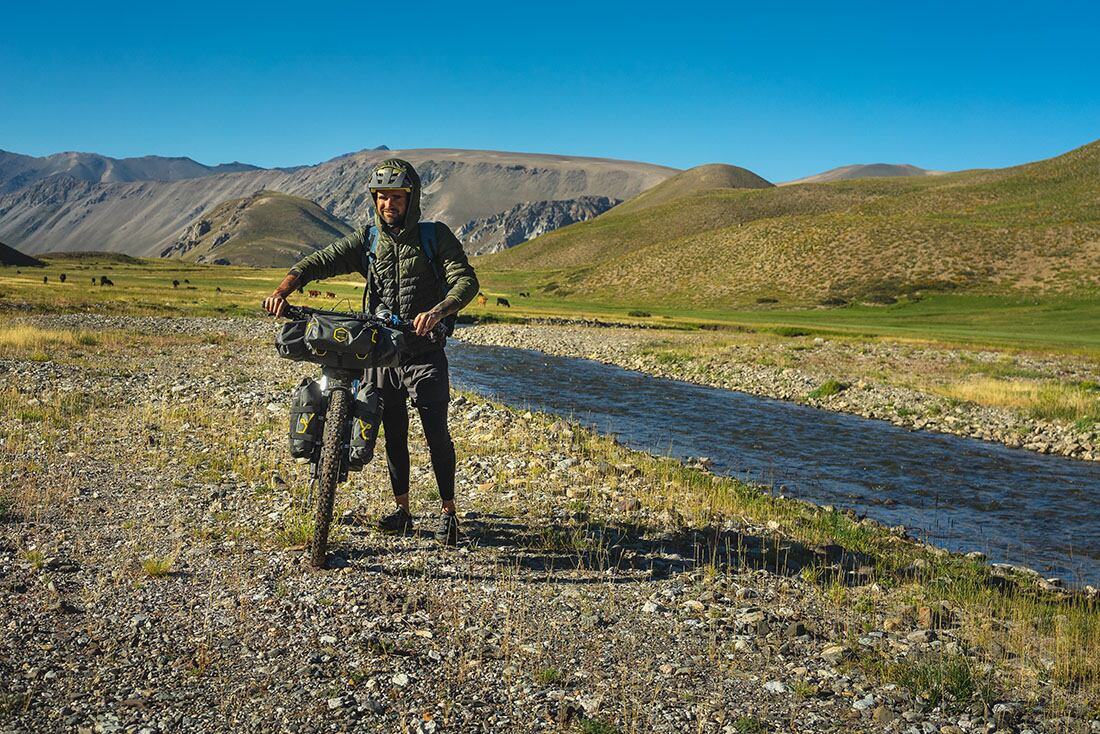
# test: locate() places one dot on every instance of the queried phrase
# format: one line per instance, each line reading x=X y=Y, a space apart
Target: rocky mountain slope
x=1033 y=228
x=527 y=220
x=64 y=212
x=17 y=171
x=264 y=229
x=864 y=170
x=12 y=256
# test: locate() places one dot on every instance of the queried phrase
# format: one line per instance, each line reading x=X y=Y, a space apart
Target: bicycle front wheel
x=332 y=449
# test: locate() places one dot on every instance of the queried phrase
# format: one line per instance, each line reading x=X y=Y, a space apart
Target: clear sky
x=784 y=88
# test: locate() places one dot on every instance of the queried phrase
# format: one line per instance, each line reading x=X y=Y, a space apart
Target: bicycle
x=330 y=458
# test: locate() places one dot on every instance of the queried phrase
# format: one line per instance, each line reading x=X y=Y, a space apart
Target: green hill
x=692 y=181
x=1028 y=229
x=11 y=256
x=266 y=229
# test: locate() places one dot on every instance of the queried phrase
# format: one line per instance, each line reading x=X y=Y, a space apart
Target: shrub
x=158 y=567
x=790 y=331
x=829 y=388
x=549 y=676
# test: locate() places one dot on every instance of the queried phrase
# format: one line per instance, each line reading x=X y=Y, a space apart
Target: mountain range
x=81 y=202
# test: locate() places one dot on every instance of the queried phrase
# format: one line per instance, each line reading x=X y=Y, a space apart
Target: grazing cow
x=93 y=280
x=45 y=279
x=481 y=299
x=62 y=278
x=175 y=284
x=525 y=294
x=104 y=280
x=315 y=294
x=218 y=289
x=330 y=294
x=503 y=302
x=185 y=280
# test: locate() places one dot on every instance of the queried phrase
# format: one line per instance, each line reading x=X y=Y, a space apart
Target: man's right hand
x=276 y=302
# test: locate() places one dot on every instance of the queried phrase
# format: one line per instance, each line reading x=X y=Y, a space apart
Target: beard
x=393 y=219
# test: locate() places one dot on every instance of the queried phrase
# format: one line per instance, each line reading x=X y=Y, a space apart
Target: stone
x=835 y=653
x=775 y=686
x=883 y=715
x=861 y=704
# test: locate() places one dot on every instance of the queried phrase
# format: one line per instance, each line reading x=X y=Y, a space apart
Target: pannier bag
x=364 y=427
x=349 y=342
x=307 y=411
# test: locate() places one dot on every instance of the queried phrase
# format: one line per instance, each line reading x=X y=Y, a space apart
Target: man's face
x=392 y=205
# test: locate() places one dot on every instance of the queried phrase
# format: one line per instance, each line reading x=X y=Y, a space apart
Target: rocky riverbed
x=152 y=578
x=755 y=369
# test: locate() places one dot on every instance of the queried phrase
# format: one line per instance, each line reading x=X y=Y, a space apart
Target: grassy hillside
x=1028 y=230
x=11 y=256
x=864 y=170
x=701 y=178
x=267 y=229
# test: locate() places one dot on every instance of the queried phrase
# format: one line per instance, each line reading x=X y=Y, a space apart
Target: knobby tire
x=332 y=446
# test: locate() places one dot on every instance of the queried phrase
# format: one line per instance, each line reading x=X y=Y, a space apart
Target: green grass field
x=1055 y=323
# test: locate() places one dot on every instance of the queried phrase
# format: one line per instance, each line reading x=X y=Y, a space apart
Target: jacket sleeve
x=343 y=256
x=462 y=284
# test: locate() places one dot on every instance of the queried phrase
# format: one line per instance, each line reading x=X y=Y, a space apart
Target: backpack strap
x=427 y=244
x=371 y=245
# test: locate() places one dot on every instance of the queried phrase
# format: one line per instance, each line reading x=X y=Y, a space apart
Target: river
x=963 y=494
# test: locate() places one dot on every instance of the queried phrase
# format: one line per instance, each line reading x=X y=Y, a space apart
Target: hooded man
x=402 y=281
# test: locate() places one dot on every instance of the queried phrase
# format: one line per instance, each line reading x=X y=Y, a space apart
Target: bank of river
x=966 y=495
x=153 y=579
x=869 y=398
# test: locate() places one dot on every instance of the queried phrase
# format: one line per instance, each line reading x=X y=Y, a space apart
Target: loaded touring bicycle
x=334 y=420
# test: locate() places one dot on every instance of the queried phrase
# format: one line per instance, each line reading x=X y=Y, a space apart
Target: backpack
x=427 y=246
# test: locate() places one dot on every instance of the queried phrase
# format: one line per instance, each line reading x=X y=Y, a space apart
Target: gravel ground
x=748 y=370
x=144 y=586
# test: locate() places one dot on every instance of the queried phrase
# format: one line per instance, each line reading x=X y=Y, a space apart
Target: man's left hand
x=425 y=322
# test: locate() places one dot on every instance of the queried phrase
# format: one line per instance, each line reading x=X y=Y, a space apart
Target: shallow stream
x=959 y=493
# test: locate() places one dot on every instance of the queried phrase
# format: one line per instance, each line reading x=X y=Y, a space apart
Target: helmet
x=390 y=175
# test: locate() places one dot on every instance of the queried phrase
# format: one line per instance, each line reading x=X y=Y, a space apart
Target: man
x=401 y=280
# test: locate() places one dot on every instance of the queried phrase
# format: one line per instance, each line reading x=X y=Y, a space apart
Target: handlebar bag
x=291 y=341
x=307 y=410
x=364 y=427
x=345 y=341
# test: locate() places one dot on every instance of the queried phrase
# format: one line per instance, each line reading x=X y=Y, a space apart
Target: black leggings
x=395 y=423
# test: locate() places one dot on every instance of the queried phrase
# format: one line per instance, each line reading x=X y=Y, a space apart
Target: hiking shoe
x=398 y=521
x=447 y=530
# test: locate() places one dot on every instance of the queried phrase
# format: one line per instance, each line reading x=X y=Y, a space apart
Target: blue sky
x=785 y=89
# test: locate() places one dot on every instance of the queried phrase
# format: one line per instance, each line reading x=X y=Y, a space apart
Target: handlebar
x=299 y=313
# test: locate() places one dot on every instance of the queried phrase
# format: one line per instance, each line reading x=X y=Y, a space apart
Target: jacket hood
x=412 y=216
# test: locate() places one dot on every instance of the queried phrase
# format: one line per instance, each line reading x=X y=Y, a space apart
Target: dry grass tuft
x=1046 y=400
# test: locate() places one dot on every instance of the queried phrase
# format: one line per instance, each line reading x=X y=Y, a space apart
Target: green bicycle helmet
x=390 y=175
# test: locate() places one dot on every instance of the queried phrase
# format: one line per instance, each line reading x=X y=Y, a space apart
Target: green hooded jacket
x=402 y=280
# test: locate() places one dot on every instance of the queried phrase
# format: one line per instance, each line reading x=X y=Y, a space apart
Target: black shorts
x=424 y=378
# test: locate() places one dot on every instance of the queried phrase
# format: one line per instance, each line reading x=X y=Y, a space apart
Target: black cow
x=503 y=302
